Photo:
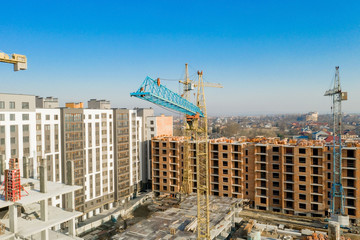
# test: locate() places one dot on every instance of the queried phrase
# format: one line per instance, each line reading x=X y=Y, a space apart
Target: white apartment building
x=135 y=149
x=99 y=160
x=30 y=134
x=18 y=130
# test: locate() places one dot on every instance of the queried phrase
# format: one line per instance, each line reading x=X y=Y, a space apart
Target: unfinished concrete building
x=181 y=222
x=282 y=176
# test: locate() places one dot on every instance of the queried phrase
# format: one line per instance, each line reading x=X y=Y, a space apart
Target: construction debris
x=181 y=222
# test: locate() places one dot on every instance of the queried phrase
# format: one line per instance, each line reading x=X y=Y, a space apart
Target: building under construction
x=181 y=222
x=292 y=177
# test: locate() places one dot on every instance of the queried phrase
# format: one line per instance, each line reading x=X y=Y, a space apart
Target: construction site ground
x=289 y=221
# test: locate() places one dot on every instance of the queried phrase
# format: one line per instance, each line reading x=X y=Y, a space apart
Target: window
x=56 y=117
x=276 y=166
x=302 y=169
x=12 y=105
x=152 y=122
x=25 y=105
x=225 y=163
x=38 y=116
x=225 y=171
x=276 y=184
x=302 y=196
x=12 y=117
x=225 y=155
x=246 y=169
x=25 y=117
x=225 y=147
x=276 y=175
x=12 y=140
x=302 y=150
x=2 y=117
x=276 y=192
x=25 y=139
x=47 y=117
x=276 y=201
x=2 y=104
x=302 y=205
x=2 y=129
x=12 y=128
x=152 y=129
x=25 y=128
x=225 y=188
x=2 y=141
x=302 y=187
x=225 y=179
x=275 y=158
x=302 y=160
x=275 y=149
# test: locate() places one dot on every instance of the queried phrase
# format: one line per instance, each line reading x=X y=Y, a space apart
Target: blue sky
x=271 y=56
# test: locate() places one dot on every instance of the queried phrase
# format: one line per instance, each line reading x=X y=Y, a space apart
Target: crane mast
x=196 y=130
x=337 y=191
x=186 y=184
x=202 y=164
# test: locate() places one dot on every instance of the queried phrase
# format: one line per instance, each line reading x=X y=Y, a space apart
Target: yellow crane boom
x=19 y=61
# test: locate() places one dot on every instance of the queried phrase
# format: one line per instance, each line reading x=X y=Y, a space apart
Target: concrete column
x=71 y=224
x=70 y=173
x=25 y=167
x=43 y=176
x=334 y=230
x=70 y=201
x=13 y=218
x=45 y=234
x=2 y=165
x=44 y=210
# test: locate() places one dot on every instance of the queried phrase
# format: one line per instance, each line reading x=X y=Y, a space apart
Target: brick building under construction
x=281 y=176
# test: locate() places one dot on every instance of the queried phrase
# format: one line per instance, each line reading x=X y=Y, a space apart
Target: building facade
x=280 y=176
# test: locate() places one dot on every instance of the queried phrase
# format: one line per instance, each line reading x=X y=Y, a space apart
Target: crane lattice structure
x=337 y=191
x=188 y=86
x=196 y=128
x=19 y=61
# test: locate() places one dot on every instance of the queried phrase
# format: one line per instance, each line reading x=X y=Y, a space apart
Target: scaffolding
x=12 y=184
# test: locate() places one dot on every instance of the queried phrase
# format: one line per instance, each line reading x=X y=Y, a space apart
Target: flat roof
x=26 y=228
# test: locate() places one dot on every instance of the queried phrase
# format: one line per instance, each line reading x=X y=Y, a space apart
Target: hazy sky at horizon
x=270 y=56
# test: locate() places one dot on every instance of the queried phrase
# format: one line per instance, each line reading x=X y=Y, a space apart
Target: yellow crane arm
x=19 y=61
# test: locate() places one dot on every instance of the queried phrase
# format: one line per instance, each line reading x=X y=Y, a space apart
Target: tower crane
x=188 y=86
x=337 y=191
x=196 y=127
x=19 y=61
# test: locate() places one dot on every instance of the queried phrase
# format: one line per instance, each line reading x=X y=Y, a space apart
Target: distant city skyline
x=270 y=58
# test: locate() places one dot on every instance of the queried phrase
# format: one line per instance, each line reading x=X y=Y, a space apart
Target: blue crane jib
x=152 y=91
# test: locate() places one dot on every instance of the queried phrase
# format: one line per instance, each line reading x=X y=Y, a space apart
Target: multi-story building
x=73 y=150
x=152 y=126
x=48 y=140
x=105 y=146
x=289 y=177
x=18 y=130
x=99 y=159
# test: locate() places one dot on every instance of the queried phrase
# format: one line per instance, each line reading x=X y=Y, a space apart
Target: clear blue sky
x=271 y=56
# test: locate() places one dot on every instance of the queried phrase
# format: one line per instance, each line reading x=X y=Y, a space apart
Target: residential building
x=18 y=130
x=152 y=126
x=311 y=117
x=292 y=177
x=48 y=141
